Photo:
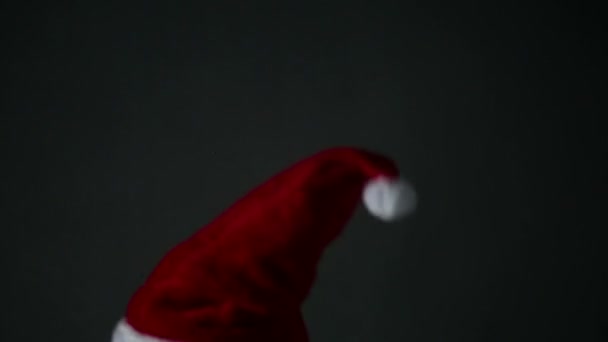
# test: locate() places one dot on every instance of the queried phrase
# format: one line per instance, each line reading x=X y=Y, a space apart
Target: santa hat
x=245 y=276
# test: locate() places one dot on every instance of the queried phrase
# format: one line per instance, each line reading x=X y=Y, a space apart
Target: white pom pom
x=125 y=333
x=389 y=199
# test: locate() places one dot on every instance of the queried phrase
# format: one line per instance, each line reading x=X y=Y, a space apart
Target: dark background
x=125 y=127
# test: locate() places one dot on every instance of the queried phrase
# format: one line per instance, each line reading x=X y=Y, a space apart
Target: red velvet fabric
x=244 y=276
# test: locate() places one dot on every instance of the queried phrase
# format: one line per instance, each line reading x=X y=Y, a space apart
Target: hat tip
x=389 y=199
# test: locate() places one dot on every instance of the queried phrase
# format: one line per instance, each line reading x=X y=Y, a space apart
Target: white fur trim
x=125 y=333
x=389 y=199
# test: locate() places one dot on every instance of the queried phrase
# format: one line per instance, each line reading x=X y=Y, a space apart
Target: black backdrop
x=125 y=127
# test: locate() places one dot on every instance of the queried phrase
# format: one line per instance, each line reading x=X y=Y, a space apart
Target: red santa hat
x=245 y=276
